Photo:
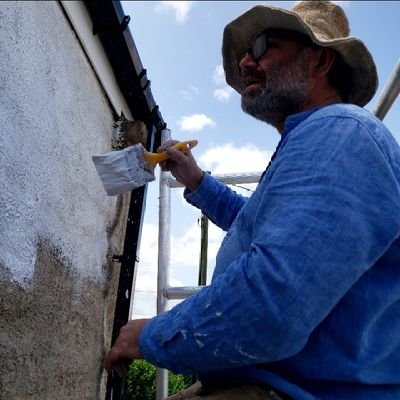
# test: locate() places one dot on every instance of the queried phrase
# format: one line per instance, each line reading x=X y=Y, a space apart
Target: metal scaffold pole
x=389 y=93
x=164 y=250
x=202 y=280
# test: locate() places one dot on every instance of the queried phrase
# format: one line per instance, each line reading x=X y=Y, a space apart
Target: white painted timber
x=82 y=24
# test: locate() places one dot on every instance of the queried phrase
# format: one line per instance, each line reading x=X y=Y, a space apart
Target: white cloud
x=186 y=249
x=194 y=89
x=188 y=94
x=147 y=266
x=184 y=263
x=229 y=159
x=219 y=75
x=195 y=122
x=183 y=270
x=180 y=8
x=223 y=94
x=147 y=282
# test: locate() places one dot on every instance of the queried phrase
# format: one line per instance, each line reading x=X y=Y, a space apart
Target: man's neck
x=325 y=100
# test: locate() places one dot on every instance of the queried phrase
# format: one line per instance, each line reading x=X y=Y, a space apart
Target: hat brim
x=241 y=32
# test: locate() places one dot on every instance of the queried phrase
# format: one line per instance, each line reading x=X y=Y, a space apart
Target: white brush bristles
x=123 y=170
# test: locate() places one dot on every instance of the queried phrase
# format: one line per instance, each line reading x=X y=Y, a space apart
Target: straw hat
x=324 y=22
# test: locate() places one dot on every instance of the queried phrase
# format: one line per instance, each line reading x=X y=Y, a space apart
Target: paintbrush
x=124 y=170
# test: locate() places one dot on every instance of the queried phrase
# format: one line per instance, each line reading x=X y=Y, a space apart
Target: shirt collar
x=293 y=120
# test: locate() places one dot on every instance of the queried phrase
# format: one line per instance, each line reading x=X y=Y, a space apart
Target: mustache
x=248 y=73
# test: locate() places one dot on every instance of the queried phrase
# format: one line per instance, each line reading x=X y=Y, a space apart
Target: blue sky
x=179 y=43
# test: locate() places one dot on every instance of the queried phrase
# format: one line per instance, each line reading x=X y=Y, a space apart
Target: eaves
x=102 y=29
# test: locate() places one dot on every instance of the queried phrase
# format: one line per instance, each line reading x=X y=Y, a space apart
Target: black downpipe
x=128 y=264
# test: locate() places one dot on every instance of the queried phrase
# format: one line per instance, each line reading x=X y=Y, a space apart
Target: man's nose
x=247 y=62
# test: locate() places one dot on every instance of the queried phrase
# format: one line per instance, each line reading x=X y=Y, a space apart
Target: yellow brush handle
x=155 y=158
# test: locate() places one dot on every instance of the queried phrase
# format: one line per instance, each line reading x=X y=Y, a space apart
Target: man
x=305 y=298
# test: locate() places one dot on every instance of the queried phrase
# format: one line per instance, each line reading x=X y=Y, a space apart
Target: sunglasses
x=261 y=43
x=259 y=47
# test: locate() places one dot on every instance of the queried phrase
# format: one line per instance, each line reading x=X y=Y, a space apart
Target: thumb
x=178 y=156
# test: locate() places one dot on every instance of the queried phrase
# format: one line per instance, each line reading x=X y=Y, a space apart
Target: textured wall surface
x=57 y=226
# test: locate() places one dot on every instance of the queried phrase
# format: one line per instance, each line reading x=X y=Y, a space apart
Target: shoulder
x=341 y=111
x=348 y=115
x=343 y=122
x=340 y=134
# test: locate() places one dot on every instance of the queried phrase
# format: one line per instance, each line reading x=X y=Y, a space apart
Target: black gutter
x=110 y=25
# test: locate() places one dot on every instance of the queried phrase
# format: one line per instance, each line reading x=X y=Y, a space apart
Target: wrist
x=195 y=182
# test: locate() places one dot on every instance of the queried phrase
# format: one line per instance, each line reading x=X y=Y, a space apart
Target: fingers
x=122 y=349
x=173 y=152
x=113 y=357
x=176 y=158
x=166 y=165
x=127 y=344
x=179 y=157
x=182 y=165
x=166 y=144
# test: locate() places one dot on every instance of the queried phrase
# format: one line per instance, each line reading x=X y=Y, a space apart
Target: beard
x=284 y=90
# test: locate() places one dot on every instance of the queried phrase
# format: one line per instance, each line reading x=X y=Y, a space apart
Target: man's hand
x=183 y=166
x=126 y=345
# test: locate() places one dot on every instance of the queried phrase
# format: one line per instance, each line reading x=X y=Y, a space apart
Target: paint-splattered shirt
x=306 y=290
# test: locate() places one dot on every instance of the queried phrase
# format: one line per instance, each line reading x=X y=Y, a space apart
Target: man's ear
x=324 y=60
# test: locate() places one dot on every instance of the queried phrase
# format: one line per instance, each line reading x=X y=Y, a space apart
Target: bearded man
x=305 y=297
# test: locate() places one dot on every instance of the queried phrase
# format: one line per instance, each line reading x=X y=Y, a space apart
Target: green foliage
x=141 y=385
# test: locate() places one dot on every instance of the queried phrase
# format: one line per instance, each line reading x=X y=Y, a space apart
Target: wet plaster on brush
x=127 y=133
x=124 y=170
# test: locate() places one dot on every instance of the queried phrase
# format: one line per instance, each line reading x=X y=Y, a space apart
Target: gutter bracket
x=118 y=258
x=104 y=30
x=143 y=80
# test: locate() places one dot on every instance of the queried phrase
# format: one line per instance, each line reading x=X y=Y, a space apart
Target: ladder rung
x=228 y=179
x=180 y=292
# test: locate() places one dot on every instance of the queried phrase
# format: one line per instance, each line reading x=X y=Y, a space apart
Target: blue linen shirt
x=306 y=290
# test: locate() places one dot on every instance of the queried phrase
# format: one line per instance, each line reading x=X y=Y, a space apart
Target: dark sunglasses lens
x=259 y=47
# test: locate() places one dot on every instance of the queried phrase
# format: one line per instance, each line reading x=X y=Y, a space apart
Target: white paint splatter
x=200 y=344
x=54 y=117
x=243 y=353
x=199 y=335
